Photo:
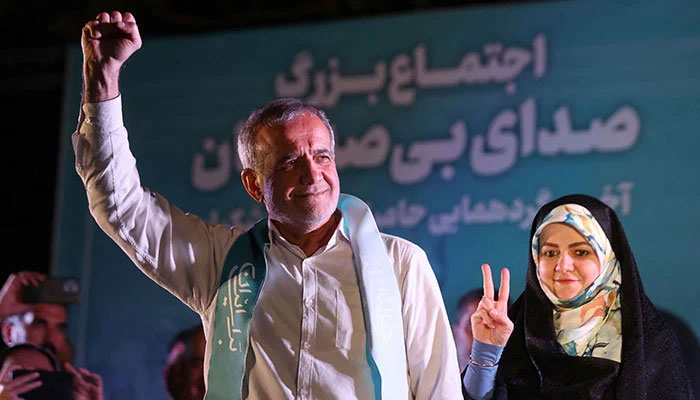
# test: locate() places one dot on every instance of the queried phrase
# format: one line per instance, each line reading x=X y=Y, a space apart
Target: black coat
x=534 y=365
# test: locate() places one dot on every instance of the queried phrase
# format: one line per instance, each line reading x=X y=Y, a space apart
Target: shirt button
x=309 y=302
x=306 y=345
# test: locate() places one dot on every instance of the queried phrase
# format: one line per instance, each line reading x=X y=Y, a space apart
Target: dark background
x=36 y=34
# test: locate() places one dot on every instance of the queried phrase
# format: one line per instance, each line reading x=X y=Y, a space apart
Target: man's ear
x=6 y=328
x=251 y=184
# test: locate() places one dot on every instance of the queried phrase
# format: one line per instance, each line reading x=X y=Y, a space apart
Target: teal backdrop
x=454 y=125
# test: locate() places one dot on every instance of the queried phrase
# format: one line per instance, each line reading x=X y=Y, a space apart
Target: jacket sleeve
x=479 y=380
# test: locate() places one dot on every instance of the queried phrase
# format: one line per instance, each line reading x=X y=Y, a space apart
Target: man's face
x=184 y=372
x=462 y=330
x=195 y=377
x=300 y=184
x=47 y=329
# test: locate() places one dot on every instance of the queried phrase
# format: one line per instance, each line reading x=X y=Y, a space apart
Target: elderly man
x=311 y=303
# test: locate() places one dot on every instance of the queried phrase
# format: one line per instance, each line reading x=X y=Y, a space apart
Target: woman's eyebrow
x=580 y=243
x=550 y=244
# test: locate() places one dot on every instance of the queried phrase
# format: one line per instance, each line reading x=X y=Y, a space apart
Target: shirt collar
x=276 y=238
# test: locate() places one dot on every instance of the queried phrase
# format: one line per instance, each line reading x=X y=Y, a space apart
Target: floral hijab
x=589 y=324
x=535 y=364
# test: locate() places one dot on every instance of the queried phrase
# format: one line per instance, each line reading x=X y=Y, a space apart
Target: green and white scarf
x=243 y=278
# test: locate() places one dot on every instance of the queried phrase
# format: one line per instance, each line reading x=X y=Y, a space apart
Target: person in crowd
x=312 y=302
x=583 y=328
x=27 y=357
x=41 y=324
x=84 y=385
x=462 y=328
x=184 y=369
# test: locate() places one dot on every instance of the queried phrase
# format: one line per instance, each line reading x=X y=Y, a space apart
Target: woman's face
x=567 y=263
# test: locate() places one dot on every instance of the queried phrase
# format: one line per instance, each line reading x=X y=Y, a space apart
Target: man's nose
x=50 y=346
x=310 y=172
x=55 y=335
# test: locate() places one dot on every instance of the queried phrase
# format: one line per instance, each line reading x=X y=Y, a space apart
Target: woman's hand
x=490 y=322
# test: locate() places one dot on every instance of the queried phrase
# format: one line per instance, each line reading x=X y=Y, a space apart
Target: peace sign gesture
x=490 y=322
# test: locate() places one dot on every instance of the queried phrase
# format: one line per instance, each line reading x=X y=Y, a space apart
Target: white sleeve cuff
x=105 y=116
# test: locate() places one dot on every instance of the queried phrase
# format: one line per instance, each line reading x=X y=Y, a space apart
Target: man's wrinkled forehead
x=279 y=128
x=273 y=142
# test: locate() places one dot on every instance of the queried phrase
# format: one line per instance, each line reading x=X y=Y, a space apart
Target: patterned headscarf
x=534 y=364
x=589 y=324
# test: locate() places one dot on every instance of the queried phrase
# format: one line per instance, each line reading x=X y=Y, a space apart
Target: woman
x=583 y=328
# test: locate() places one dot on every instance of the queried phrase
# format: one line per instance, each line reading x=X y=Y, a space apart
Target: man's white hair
x=275 y=113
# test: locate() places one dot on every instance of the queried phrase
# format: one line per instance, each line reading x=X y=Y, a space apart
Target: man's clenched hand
x=107 y=41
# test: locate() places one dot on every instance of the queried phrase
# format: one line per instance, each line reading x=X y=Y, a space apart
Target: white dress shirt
x=307 y=336
x=314 y=333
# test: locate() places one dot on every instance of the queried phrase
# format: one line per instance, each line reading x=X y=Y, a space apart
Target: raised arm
x=11 y=295
x=179 y=251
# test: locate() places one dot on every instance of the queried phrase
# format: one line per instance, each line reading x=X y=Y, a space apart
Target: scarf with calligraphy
x=243 y=278
x=589 y=324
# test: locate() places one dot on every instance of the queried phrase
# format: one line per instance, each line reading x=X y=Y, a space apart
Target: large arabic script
x=407 y=73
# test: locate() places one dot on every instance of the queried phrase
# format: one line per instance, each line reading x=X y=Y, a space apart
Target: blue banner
x=455 y=126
